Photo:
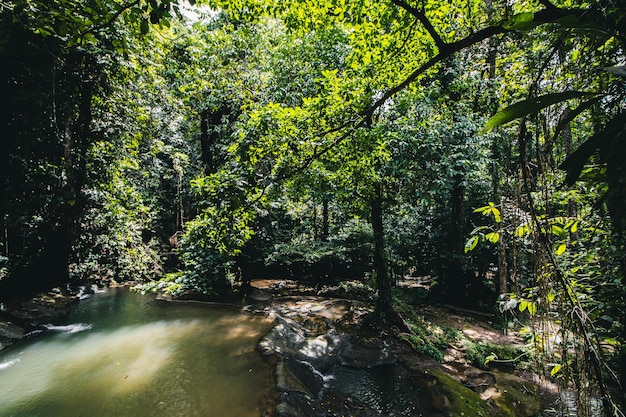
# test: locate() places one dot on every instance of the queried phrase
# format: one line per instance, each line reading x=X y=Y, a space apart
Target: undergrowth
x=432 y=339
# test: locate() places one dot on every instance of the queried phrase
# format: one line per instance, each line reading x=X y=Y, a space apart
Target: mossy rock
x=518 y=398
x=463 y=402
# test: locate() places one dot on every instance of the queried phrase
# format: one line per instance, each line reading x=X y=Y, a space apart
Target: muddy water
x=124 y=355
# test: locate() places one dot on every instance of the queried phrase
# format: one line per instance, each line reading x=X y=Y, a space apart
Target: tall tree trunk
x=572 y=207
x=210 y=135
x=76 y=139
x=503 y=266
x=456 y=282
x=383 y=282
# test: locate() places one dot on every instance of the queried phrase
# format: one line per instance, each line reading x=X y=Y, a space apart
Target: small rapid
x=70 y=328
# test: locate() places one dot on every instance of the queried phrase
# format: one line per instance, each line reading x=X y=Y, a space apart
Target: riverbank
x=22 y=318
x=331 y=359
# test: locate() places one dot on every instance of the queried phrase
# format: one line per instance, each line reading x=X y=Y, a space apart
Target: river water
x=121 y=354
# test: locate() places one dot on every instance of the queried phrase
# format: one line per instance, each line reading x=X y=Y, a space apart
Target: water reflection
x=198 y=362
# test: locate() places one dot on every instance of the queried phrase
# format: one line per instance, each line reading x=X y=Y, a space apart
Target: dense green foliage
x=479 y=145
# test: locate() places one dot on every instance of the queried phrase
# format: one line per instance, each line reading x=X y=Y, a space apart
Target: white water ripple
x=8 y=364
x=70 y=328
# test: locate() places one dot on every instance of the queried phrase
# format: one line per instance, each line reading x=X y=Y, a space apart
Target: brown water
x=121 y=354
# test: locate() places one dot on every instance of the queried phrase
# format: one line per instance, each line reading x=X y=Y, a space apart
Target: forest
x=478 y=146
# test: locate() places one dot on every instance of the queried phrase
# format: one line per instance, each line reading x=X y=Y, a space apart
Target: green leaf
x=561 y=249
x=532 y=308
x=490 y=209
x=493 y=237
x=471 y=244
x=521 y=21
x=523 y=305
x=490 y=358
x=556 y=230
x=521 y=231
x=555 y=369
x=144 y=27
x=533 y=105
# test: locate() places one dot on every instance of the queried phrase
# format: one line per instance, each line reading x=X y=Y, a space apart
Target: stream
x=122 y=354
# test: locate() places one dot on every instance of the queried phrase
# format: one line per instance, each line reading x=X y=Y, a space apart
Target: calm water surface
x=120 y=354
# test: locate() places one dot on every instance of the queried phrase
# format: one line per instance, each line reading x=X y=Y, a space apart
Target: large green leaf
x=521 y=21
x=532 y=105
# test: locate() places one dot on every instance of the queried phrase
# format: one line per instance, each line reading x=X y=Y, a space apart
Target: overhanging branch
x=421 y=16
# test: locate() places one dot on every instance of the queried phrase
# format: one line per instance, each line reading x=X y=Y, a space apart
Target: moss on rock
x=517 y=397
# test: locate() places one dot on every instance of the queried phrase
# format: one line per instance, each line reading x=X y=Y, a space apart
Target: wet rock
x=518 y=396
x=11 y=331
x=284 y=339
x=286 y=381
x=260 y=295
x=44 y=307
x=20 y=319
x=285 y=409
x=297 y=404
x=359 y=354
x=307 y=375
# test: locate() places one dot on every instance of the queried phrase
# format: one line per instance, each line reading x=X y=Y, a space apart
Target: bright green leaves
x=522 y=230
x=531 y=306
x=76 y=22
x=533 y=105
x=555 y=369
x=471 y=243
x=490 y=209
x=492 y=237
x=492 y=357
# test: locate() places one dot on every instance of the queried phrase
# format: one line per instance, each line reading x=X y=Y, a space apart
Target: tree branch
x=422 y=18
x=547 y=4
x=110 y=21
x=450 y=50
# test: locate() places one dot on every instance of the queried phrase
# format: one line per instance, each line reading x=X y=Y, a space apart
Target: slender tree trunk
x=503 y=267
x=383 y=282
x=572 y=207
x=325 y=215
x=456 y=281
x=209 y=136
x=314 y=220
x=205 y=142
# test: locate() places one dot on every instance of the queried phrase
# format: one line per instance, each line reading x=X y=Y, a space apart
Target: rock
x=44 y=307
x=519 y=397
x=365 y=355
x=284 y=339
x=20 y=318
x=260 y=295
x=307 y=375
x=322 y=370
x=286 y=381
x=285 y=409
x=11 y=331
